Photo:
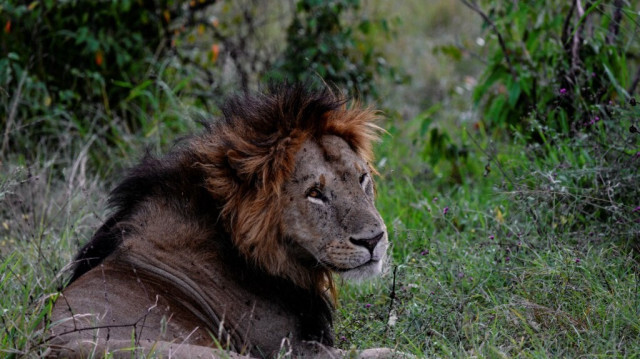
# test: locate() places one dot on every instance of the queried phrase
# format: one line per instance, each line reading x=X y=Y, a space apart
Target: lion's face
x=329 y=215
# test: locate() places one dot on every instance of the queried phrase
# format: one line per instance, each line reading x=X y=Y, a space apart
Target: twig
x=614 y=26
x=575 y=46
x=567 y=22
x=392 y=295
x=12 y=113
x=473 y=6
x=634 y=84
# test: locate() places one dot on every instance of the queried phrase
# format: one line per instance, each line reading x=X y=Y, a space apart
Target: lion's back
x=113 y=302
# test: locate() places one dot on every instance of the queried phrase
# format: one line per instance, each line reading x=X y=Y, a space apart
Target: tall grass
x=530 y=256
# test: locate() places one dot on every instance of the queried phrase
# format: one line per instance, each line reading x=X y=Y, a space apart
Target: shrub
x=74 y=66
x=556 y=62
x=322 y=43
x=81 y=68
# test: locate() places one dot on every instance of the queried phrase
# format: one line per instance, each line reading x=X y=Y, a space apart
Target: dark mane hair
x=236 y=168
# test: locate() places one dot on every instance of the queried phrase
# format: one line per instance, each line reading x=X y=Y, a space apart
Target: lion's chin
x=364 y=271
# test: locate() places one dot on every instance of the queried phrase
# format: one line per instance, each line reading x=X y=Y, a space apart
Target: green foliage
x=556 y=62
x=81 y=46
x=83 y=68
x=432 y=144
x=76 y=49
x=322 y=44
x=80 y=68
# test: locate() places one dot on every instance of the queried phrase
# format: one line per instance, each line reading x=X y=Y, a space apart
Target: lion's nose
x=368 y=243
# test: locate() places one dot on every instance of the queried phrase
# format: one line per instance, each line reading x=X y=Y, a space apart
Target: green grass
x=534 y=258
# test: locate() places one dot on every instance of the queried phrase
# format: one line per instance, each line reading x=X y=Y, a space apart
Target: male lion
x=229 y=241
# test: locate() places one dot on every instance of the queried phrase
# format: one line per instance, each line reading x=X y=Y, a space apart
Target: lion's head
x=329 y=215
x=292 y=170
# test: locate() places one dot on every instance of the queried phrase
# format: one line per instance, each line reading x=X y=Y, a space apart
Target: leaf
x=451 y=51
x=513 y=89
x=615 y=82
x=499 y=215
x=139 y=90
x=498 y=73
x=425 y=118
x=365 y=26
x=496 y=113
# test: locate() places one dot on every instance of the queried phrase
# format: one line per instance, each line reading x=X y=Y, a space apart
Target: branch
x=503 y=46
x=392 y=295
x=12 y=113
x=575 y=47
x=614 y=26
x=567 y=22
x=634 y=84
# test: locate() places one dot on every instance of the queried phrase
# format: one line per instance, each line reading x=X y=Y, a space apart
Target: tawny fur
x=217 y=244
x=255 y=150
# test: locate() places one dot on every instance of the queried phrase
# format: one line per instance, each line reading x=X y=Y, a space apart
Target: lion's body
x=149 y=278
x=229 y=240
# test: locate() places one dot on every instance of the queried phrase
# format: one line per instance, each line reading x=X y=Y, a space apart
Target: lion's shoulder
x=166 y=179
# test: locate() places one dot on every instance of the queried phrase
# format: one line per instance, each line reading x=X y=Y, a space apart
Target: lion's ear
x=281 y=161
x=263 y=165
x=246 y=166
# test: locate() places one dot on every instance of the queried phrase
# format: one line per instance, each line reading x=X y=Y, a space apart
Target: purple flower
x=367 y=305
x=460 y=275
x=491 y=236
x=435 y=199
x=636 y=209
x=425 y=252
x=578 y=260
x=597 y=118
x=563 y=91
x=445 y=210
x=343 y=338
x=507 y=259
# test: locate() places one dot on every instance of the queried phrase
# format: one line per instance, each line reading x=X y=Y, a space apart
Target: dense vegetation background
x=509 y=177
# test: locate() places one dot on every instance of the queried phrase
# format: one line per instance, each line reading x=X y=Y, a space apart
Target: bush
x=81 y=68
x=556 y=62
x=322 y=44
x=71 y=67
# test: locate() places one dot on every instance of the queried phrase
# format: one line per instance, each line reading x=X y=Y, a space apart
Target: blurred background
x=509 y=177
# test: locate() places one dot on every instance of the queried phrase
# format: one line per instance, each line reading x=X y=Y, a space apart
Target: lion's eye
x=363 y=178
x=365 y=182
x=315 y=195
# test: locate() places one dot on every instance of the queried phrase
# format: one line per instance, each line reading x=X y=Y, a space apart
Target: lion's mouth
x=368 y=263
